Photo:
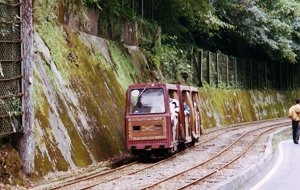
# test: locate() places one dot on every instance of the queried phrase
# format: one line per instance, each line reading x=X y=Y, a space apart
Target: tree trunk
x=27 y=142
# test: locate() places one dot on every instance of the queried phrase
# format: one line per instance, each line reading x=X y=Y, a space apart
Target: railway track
x=93 y=180
x=201 y=173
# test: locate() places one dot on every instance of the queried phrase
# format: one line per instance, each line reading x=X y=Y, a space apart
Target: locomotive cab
x=155 y=119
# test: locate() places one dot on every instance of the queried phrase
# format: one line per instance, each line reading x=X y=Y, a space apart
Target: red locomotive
x=161 y=118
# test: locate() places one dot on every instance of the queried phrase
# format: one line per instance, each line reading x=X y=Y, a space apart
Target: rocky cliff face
x=79 y=85
x=224 y=107
x=79 y=93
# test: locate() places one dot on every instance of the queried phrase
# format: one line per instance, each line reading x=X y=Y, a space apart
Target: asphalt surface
x=285 y=173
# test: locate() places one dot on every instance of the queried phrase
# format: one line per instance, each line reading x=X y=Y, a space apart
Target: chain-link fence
x=217 y=69
x=10 y=68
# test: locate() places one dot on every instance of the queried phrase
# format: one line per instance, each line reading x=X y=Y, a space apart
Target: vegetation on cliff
x=270 y=29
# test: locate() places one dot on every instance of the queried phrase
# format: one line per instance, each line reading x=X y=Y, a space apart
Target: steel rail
x=232 y=128
x=242 y=124
x=140 y=170
x=134 y=172
x=230 y=162
x=89 y=177
x=165 y=160
x=111 y=171
x=84 y=178
x=209 y=159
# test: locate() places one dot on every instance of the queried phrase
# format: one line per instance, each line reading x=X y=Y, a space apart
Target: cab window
x=147 y=101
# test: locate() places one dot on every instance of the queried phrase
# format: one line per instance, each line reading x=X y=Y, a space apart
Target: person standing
x=294 y=114
x=174 y=110
x=186 y=109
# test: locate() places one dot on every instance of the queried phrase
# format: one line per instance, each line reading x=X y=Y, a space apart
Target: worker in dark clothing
x=294 y=114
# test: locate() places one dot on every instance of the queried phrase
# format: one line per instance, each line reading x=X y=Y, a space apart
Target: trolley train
x=161 y=118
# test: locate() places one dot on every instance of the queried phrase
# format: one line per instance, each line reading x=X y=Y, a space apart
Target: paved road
x=285 y=174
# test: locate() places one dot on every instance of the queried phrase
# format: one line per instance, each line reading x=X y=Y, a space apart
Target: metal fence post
x=235 y=72
x=227 y=77
x=200 y=66
x=273 y=75
x=251 y=74
x=266 y=74
x=280 y=75
x=208 y=67
x=217 y=65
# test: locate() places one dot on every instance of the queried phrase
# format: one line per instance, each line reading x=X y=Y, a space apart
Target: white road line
x=273 y=170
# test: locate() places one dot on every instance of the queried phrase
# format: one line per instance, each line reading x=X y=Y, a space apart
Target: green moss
x=225 y=107
x=42 y=164
x=80 y=155
x=98 y=92
x=101 y=60
x=97 y=89
x=55 y=38
x=37 y=90
x=99 y=100
x=125 y=71
x=57 y=160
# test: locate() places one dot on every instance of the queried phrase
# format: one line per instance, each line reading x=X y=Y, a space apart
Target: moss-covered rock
x=79 y=94
x=224 y=107
x=10 y=167
x=78 y=119
x=80 y=98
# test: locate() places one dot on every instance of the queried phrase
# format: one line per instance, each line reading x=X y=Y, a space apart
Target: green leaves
x=272 y=25
x=269 y=29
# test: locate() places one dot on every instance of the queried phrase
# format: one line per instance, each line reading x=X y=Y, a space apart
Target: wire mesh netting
x=10 y=51
x=10 y=68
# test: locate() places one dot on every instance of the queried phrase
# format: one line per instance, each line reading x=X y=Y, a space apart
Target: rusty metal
x=12 y=78
x=11 y=68
x=9 y=41
x=6 y=60
x=10 y=5
x=11 y=115
x=5 y=22
x=11 y=96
